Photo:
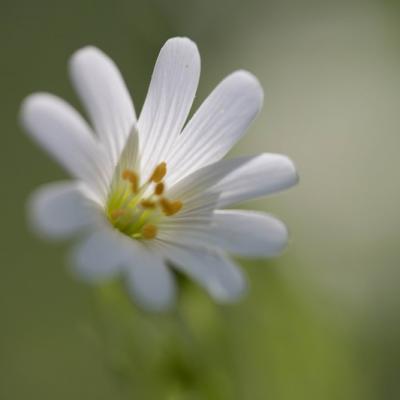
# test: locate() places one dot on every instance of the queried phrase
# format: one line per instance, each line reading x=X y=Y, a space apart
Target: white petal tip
x=249 y=234
x=99 y=257
x=285 y=167
x=57 y=211
x=25 y=110
x=86 y=58
x=249 y=84
x=32 y=105
x=41 y=108
x=278 y=241
x=36 y=214
x=154 y=303
x=182 y=48
x=28 y=101
x=291 y=167
x=231 y=295
x=86 y=51
x=149 y=282
x=83 y=270
x=180 y=41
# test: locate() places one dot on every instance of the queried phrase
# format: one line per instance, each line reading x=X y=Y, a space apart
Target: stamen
x=176 y=206
x=131 y=176
x=136 y=212
x=159 y=189
x=148 y=204
x=149 y=231
x=159 y=173
x=170 y=207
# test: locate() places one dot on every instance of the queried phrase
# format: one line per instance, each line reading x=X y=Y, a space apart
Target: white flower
x=148 y=193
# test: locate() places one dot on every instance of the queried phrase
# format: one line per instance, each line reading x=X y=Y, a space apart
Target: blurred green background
x=322 y=321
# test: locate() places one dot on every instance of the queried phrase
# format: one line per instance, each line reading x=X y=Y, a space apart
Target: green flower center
x=134 y=209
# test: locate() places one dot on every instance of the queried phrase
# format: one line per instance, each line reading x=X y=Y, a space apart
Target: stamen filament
x=131 y=176
x=117 y=213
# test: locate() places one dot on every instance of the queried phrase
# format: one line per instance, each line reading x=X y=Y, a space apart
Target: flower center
x=135 y=209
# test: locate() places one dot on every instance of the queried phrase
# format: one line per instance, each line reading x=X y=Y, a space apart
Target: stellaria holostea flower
x=149 y=193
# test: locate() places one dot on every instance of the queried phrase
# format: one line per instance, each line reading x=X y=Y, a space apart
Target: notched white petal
x=106 y=254
x=169 y=99
x=249 y=233
x=129 y=155
x=219 y=123
x=262 y=175
x=105 y=96
x=149 y=280
x=211 y=269
x=100 y=256
x=201 y=183
x=60 y=210
x=60 y=130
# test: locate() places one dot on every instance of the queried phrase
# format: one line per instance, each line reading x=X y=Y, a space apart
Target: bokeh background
x=322 y=321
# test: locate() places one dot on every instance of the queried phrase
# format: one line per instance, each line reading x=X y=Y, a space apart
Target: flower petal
x=168 y=102
x=261 y=176
x=233 y=180
x=129 y=156
x=187 y=232
x=60 y=130
x=198 y=191
x=149 y=280
x=60 y=210
x=107 y=253
x=249 y=233
x=100 y=256
x=211 y=269
x=197 y=194
x=219 y=123
x=199 y=184
x=103 y=91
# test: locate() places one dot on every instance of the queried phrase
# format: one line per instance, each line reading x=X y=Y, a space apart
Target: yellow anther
x=117 y=213
x=148 y=203
x=131 y=176
x=176 y=206
x=170 y=207
x=149 y=231
x=159 y=173
x=159 y=189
